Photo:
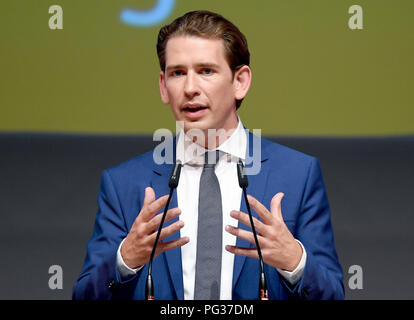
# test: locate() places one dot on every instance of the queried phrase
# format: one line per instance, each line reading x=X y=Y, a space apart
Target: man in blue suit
x=204 y=77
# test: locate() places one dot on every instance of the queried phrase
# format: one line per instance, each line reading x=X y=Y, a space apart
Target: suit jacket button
x=304 y=293
x=111 y=284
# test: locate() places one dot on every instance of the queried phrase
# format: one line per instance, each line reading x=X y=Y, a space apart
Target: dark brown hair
x=210 y=25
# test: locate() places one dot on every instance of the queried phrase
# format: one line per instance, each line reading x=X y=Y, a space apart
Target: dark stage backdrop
x=49 y=186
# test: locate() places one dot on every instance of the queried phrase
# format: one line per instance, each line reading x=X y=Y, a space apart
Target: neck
x=211 y=138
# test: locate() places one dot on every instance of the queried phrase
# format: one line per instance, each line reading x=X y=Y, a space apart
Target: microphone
x=243 y=183
x=172 y=183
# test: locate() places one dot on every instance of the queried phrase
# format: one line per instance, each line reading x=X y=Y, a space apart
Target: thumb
x=149 y=196
x=276 y=205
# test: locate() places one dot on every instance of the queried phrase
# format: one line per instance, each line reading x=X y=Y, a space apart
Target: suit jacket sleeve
x=99 y=278
x=322 y=276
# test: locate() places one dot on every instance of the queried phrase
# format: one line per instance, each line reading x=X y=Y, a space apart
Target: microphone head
x=175 y=175
x=241 y=174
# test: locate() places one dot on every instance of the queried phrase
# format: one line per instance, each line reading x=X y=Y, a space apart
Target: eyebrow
x=203 y=65
x=209 y=65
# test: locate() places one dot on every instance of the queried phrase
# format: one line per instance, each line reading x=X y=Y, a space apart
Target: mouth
x=194 y=111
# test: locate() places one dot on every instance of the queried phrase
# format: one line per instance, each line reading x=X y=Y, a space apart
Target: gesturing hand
x=138 y=244
x=279 y=247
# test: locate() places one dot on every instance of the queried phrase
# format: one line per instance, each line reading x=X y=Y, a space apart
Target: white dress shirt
x=192 y=157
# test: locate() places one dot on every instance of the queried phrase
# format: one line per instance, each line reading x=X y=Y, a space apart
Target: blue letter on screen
x=154 y=16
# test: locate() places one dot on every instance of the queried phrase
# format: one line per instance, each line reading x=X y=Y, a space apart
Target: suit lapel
x=256 y=188
x=161 y=175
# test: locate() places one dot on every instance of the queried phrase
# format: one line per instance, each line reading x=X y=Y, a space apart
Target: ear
x=241 y=82
x=163 y=89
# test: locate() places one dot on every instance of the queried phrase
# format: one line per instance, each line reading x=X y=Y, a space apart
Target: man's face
x=198 y=83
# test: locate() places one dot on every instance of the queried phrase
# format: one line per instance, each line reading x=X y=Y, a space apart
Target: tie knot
x=211 y=158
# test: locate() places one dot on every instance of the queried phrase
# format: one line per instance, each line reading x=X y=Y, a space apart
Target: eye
x=207 y=71
x=176 y=73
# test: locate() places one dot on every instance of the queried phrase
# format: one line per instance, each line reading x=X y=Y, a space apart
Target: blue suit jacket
x=305 y=211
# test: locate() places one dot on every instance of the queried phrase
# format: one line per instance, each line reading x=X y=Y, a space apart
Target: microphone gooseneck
x=172 y=183
x=243 y=183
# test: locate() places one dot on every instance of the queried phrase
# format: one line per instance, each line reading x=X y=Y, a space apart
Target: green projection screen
x=319 y=68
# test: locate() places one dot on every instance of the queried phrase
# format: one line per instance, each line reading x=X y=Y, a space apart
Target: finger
x=260 y=209
x=245 y=219
x=149 y=196
x=240 y=251
x=155 y=222
x=276 y=205
x=168 y=231
x=168 y=245
x=152 y=208
x=243 y=234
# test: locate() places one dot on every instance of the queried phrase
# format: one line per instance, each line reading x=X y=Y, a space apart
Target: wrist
x=125 y=257
x=295 y=257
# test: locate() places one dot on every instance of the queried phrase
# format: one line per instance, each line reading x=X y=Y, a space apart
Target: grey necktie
x=209 y=233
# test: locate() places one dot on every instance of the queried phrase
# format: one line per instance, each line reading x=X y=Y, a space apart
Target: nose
x=191 y=87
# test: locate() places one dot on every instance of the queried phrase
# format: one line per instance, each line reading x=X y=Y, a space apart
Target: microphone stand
x=243 y=183
x=172 y=183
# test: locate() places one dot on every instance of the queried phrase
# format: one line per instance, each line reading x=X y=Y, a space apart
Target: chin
x=196 y=124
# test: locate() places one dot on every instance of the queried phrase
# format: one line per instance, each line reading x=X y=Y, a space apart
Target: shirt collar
x=192 y=153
